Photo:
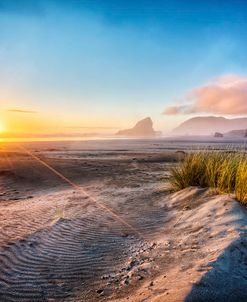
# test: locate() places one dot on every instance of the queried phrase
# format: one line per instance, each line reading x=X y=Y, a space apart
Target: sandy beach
x=118 y=234
x=123 y=151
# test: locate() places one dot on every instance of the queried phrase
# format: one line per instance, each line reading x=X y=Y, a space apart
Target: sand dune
x=60 y=246
x=68 y=255
x=207 y=247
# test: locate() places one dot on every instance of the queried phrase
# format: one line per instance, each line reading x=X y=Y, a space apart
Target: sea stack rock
x=218 y=134
x=143 y=128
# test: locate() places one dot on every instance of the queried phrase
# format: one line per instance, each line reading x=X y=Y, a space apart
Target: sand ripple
x=47 y=260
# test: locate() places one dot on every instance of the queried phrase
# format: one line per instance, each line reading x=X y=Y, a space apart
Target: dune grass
x=224 y=171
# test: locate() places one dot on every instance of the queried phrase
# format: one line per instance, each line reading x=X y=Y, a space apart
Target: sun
x=2 y=128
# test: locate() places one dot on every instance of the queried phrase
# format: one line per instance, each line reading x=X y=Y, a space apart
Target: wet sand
x=56 y=244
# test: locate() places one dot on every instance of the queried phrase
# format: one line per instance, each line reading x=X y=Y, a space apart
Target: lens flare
x=82 y=190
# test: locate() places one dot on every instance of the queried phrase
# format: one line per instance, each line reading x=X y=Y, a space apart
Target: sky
x=94 y=67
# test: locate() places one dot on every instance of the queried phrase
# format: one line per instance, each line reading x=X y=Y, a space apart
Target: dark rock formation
x=143 y=128
x=218 y=134
x=237 y=133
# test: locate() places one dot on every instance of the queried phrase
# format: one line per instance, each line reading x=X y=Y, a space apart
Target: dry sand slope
x=195 y=247
x=60 y=246
x=44 y=257
x=206 y=243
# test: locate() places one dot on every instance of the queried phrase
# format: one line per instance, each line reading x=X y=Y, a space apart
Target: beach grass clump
x=224 y=171
x=241 y=182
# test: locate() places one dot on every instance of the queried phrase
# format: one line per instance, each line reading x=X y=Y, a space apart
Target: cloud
x=224 y=95
x=22 y=135
x=22 y=111
x=172 y=110
x=95 y=127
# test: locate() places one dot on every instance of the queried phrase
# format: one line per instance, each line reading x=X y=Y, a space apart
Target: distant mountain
x=209 y=125
x=143 y=128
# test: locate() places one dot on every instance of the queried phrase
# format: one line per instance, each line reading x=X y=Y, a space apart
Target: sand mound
x=206 y=244
x=194 y=246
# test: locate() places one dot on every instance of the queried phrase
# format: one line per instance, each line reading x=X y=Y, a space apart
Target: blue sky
x=110 y=63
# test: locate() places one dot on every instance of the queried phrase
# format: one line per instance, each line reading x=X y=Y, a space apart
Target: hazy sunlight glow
x=2 y=127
